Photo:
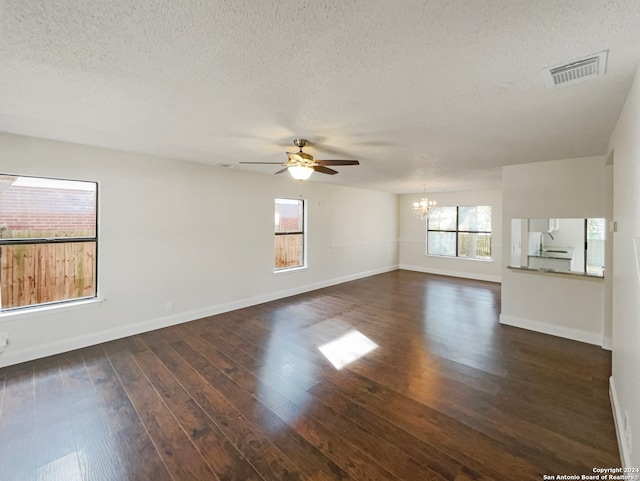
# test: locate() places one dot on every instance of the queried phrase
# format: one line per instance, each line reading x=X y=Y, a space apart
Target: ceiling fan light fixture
x=301 y=165
x=300 y=172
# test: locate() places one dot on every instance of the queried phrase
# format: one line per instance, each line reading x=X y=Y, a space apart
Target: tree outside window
x=462 y=231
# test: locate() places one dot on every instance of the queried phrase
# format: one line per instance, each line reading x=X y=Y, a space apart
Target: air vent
x=575 y=72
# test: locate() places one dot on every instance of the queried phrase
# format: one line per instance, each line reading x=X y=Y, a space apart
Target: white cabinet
x=544 y=225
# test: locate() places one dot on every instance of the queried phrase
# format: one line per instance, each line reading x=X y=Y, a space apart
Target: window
x=289 y=230
x=595 y=236
x=460 y=232
x=48 y=240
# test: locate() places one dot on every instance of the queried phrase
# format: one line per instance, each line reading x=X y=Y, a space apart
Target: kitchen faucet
x=542 y=238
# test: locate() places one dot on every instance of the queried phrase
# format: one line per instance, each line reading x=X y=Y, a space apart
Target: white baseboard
x=607 y=343
x=552 y=329
x=9 y=356
x=446 y=272
x=618 y=421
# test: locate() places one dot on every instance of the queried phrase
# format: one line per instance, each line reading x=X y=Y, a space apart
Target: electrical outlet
x=168 y=306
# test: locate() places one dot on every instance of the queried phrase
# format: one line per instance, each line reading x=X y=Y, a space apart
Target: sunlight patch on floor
x=347 y=348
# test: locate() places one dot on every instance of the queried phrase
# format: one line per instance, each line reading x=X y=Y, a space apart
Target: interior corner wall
x=625 y=381
x=196 y=235
x=562 y=305
x=412 y=239
x=608 y=261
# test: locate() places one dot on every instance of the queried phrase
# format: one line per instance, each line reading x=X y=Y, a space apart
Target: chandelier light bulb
x=423 y=208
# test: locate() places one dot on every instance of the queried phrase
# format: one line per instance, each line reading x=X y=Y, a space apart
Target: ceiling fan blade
x=325 y=170
x=271 y=163
x=337 y=162
x=281 y=171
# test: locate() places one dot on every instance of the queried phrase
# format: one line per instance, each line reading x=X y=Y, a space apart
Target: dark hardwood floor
x=448 y=394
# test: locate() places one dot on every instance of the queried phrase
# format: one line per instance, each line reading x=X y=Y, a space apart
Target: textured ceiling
x=441 y=93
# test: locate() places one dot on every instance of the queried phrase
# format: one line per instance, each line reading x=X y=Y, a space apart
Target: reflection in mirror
x=559 y=245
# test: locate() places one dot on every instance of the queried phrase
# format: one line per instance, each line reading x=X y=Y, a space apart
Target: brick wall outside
x=289 y=217
x=40 y=208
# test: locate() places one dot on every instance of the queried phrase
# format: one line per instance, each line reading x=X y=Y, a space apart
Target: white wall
x=196 y=235
x=412 y=238
x=625 y=382
x=561 y=305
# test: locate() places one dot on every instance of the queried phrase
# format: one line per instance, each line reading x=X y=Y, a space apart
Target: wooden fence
x=481 y=243
x=38 y=273
x=289 y=251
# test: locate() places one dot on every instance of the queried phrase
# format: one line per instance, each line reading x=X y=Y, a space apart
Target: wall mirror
x=559 y=245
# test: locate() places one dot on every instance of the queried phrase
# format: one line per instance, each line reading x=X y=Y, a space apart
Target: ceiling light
x=424 y=207
x=300 y=172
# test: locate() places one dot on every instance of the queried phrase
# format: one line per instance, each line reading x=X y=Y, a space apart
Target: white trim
x=618 y=422
x=39 y=310
x=305 y=250
x=607 y=343
x=289 y=270
x=444 y=256
x=361 y=244
x=9 y=356
x=446 y=272
x=552 y=329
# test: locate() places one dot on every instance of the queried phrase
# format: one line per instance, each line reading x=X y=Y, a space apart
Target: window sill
x=50 y=309
x=475 y=259
x=290 y=270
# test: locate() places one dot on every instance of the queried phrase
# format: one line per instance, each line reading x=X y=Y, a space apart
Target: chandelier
x=425 y=207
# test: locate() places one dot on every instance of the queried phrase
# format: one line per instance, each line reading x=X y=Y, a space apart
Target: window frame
x=303 y=233
x=57 y=240
x=457 y=231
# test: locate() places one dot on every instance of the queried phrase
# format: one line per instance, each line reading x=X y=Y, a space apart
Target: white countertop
x=554 y=252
